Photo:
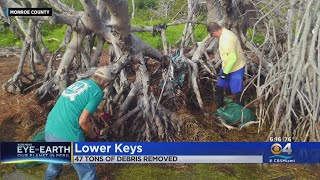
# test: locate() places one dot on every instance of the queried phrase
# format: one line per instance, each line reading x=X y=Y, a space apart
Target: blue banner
x=168 y=148
x=160 y=152
x=282 y=152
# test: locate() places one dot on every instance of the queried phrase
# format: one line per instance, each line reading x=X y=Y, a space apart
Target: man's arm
x=228 y=53
x=84 y=122
x=232 y=58
x=85 y=116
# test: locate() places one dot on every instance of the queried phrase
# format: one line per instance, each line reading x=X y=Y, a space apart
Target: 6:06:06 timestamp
x=280 y=139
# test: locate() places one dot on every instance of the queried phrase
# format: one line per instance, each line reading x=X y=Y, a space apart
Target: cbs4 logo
x=277 y=149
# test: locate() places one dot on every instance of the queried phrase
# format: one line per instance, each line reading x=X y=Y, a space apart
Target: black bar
x=29 y=12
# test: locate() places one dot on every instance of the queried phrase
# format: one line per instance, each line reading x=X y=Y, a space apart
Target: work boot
x=219 y=96
x=237 y=99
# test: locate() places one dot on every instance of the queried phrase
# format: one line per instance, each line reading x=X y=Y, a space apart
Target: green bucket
x=234 y=114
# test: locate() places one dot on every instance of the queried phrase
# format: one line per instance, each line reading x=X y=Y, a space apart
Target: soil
x=21 y=116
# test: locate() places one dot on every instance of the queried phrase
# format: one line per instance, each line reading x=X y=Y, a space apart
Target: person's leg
x=222 y=83
x=238 y=99
x=86 y=171
x=53 y=170
x=236 y=85
x=219 y=96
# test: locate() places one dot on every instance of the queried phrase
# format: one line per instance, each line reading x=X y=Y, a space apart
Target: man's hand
x=223 y=76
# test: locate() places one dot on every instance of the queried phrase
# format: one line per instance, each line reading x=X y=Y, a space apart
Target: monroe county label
x=29 y=11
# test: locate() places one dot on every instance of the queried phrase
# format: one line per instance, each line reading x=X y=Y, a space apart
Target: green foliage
x=143 y=18
x=173 y=34
x=176 y=7
x=146 y=4
x=154 y=41
x=258 y=37
x=74 y=3
x=8 y=39
x=53 y=36
x=145 y=9
x=200 y=32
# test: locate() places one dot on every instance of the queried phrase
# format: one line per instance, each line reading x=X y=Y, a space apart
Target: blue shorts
x=234 y=80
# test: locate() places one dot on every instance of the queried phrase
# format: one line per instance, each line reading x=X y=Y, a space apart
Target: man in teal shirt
x=69 y=120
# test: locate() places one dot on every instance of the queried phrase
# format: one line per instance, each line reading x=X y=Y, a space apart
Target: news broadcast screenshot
x=159 y=89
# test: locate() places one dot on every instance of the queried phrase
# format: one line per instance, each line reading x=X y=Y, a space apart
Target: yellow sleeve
x=228 y=54
x=232 y=58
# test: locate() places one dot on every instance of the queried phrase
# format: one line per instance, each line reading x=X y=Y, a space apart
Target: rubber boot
x=237 y=99
x=219 y=96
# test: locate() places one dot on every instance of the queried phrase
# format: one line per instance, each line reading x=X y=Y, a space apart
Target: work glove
x=223 y=76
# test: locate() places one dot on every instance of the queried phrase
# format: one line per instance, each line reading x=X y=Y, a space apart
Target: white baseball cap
x=104 y=72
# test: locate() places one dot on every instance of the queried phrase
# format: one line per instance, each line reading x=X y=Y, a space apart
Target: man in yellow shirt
x=233 y=63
